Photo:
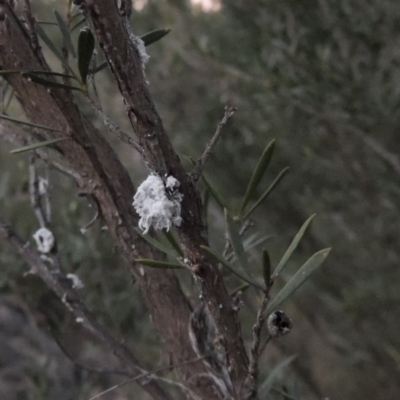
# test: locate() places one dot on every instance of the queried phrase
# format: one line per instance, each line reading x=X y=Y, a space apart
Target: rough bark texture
x=104 y=177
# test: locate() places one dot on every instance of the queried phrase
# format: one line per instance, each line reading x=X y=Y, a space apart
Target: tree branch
x=104 y=177
x=229 y=111
x=61 y=286
x=125 y=62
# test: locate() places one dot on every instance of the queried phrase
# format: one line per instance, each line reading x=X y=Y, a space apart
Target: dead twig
x=113 y=128
x=251 y=381
x=93 y=201
x=152 y=375
x=229 y=111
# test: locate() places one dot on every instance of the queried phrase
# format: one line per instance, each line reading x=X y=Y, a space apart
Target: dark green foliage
x=85 y=52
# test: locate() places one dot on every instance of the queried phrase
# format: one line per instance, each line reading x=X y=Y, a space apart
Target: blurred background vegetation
x=320 y=76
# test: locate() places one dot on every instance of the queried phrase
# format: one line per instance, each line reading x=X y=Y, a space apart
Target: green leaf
x=214 y=193
x=258 y=173
x=268 y=191
x=231 y=268
x=255 y=240
x=173 y=242
x=50 y=84
x=6 y=103
x=52 y=73
x=298 y=279
x=54 y=49
x=154 y=36
x=292 y=247
x=65 y=33
x=266 y=265
x=102 y=66
x=266 y=386
x=46 y=22
x=85 y=52
x=156 y=244
x=237 y=245
x=37 y=145
x=6 y=117
x=79 y=23
x=158 y=264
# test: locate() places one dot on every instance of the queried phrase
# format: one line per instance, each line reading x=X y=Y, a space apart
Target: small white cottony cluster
x=76 y=281
x=43 y=186
x=139 y=44
x=158 y=204
x=44 y=240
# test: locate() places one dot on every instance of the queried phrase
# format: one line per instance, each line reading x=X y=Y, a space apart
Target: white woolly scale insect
x=141 y=48
x=158 y=204
x=44 y=240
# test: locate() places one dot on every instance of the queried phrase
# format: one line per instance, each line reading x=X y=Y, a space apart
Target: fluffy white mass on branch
x=158 y=204
x=44 y=240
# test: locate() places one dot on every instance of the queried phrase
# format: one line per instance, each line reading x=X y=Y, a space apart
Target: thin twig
x=22 y=137
x=229 y=111
x=93 y=201
x=152 y=374
x=71 y=173
x=30 y=23
x=110 y=371
x=114 y=128
x=251 y=381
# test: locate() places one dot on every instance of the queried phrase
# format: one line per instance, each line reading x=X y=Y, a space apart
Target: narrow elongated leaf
x=7 y=102
x=154 y=36
x=258 y=173
x=255 y=240
x=214 y=192
x=157 y=244
x=65 y=33
x=9 y=71
x=266 y=386
x=232 y=268
x=46 y=22
x=268 y=191
x=35 y=146
x=79 y=23
x=52 y=73
x=54 y=49
x=158 y=264
x=266 y=265
x=237 y=245
x=310 y=266
x=173 y=242
x=48 y=83
x=293 y=246
x=102 y=66
x=85 y=52
x=18 y=121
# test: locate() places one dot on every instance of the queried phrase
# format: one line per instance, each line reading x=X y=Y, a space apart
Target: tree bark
x=104 y=177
